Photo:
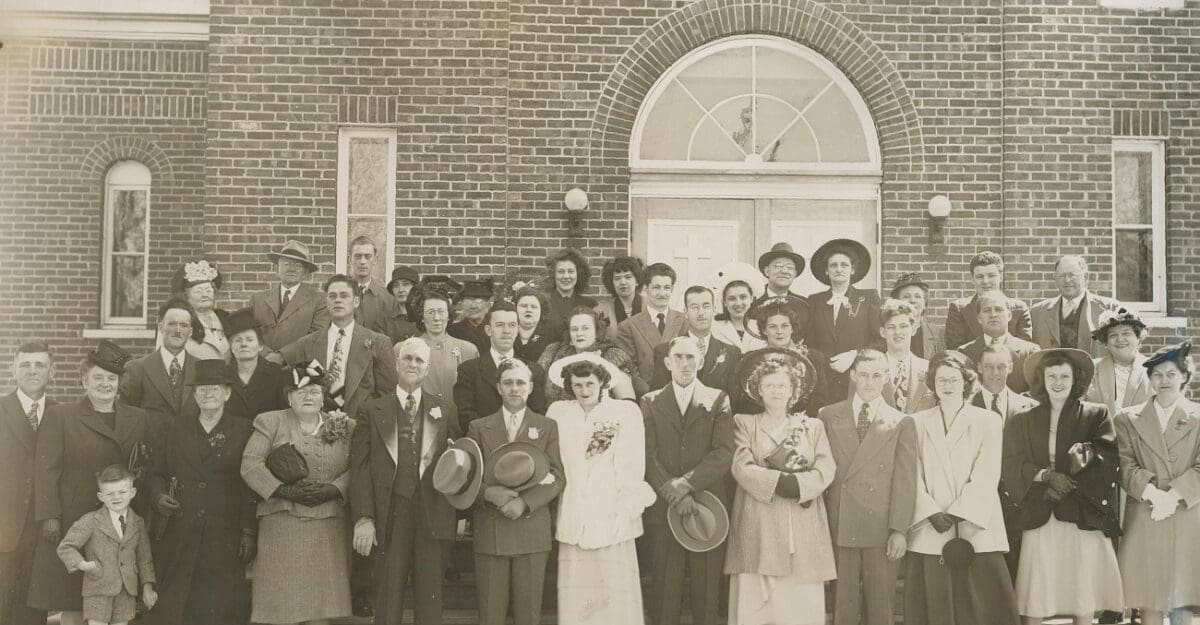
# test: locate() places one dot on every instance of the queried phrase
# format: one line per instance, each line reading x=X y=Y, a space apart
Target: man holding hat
x=929 y=338
x=392 y=497
x=844 y=318
x=523 y=474
x=689 y=451
x=475 y=299
x=290 y=309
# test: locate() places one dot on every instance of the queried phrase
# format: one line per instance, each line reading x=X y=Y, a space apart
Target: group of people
x=313 y=454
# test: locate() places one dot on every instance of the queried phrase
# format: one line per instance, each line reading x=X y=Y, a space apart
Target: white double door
x=697 y=236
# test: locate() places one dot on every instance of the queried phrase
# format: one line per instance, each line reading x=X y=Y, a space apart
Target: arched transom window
x=755 y=103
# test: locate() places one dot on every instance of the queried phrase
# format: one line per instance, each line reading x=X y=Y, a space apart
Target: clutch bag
x=287 y=464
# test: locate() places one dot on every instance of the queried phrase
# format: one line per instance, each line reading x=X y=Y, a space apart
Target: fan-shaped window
x=755 y=103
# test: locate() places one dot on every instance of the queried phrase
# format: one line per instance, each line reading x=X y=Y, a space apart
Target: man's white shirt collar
x=116 y=521
x=26 y=402
x=288 y=292
x=1069 y=305
x=873 y=407
x=167 y=357
x=1002 y=339
x=684 y=394
x=497 y=357
x=655 y=312
x=333 y=331
x=403 y=396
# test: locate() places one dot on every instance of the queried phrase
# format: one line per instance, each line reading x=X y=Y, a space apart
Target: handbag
x=958 y=552
x=287 y=464
x=1080 y=456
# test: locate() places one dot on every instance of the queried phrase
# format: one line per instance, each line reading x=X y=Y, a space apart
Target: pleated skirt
x=302 y=571
x=1065 y=570
x=599 y=586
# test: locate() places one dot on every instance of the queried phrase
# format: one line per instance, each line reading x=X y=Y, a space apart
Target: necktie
x=662 y=323
x=703 y=343
x=512 y=427
x=996 y=405
x=33 y=416
x=287 y=297
x=410 y=406
x=175 y=372
x=864 y=422
x=335 y=362
x=901 y=384
x=121 y=518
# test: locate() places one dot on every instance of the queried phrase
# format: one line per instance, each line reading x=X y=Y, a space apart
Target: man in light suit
x=905 y=389
x=377 y=303
x=511 y=528
x=994 y=318
x=928 y=338
x=20 y=414
x=357 y=360
x=689 y=448
x=873 y=495
x=719 y=360
x=987 y=274
x=392 y=499
x=641 y=333
x=291 y=309
x=1070 y=318
x=157 y=382
x=476 y=391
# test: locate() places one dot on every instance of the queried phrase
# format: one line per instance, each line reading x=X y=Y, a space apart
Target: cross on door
x=692 y=255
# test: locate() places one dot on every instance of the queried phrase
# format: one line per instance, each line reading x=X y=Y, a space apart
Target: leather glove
x=52 y=531
x=788 y=486
x=165 y=505
x=290 y=492
x=248 y=548
x=1059 y=482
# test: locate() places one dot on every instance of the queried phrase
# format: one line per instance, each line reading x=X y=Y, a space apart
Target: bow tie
x=839 y=299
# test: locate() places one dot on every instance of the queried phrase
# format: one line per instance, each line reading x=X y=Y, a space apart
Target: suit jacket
x=917 y=396
x=933 y=339
x=263 y=393
x=1018 y=348
x=875 y=487
x=475 y=393
x=374 y=308
x=719 y=369
x=370 y=367
x=496 y=534
x=471 y=333
x=962 y=320
x=1045 y=316
x=1103 y=389
x=304 y=314
x=1093 y=505
x=697 y=445
x=639 y=335
x=855 y=328
x=1014 y=403
x=384 y=463
x=124 y=562
x=17 y=447
x=146 y=385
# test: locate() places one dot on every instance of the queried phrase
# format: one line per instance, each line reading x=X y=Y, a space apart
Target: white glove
x=841 y=363
x=1163 y=503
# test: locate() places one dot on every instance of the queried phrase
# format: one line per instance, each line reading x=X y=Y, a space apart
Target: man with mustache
x=156 y=382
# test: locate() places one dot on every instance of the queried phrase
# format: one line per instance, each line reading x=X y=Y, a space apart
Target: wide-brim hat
x=781 y=250
x=909 y=279
x=458 y=474
x=109 y=356
x=415 y=304
x=193 y=273
x=1079 y=358
x=479 y=289
x=1110 y=319
x=403 y=272
x=294 y=250
x=554 y=374
x=519 y=465
x=799 y=307
x=730 y=272
x=209 y=371
x=1173 y=353
x=856 y=251
x=751 y=360
x=239 y=321
x=703 y=531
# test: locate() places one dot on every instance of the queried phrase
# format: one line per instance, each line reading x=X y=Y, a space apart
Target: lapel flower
x=858 y=302
x=534 y=434
x=454 y=351
x=435 y=413
x=720 y=359
x=335 y=427
x=369 y=344
x=216 y=440
x=535 y=338
x=1180 y=423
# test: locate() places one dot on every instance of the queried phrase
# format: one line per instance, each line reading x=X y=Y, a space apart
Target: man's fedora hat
x=706 y=529
x=294 y=250
x=109 y=356
x=1081 y=360
x=209 y=371
x=239 y=321
x=458 y=473
x=856 y=251
x=478 y=289
x=781 y=250
x=519 y=465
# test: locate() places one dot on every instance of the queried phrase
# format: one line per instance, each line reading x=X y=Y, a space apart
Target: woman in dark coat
x=534 y=330
x=256 y=383
x=843 y=318
x=569 y=274
x=75 y=441
x=205 y=531
x=1060 y=465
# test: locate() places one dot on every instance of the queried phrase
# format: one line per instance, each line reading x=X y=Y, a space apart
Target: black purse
x=287 y=464
x=958 y=552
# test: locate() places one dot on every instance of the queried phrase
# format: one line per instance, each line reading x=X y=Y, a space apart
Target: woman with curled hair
x=584 y=336
x=602 y=443
x=1060 y=466
x=779 y=322
x=730 y=326
x=569 y=275
x=534 y=331
x=622 y=278
x=780 y=552
x=958 y=469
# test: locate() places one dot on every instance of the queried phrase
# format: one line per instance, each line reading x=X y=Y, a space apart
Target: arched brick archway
x=127 y=147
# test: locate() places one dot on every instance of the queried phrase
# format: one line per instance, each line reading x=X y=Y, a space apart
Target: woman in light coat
x=780 y=552
x=1120 y=380
x=1160 y=471
x=959 y=470
x=730 y=325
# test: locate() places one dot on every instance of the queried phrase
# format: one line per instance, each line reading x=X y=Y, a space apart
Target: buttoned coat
x=639 y=335
x=496 y=534
x=305 y=313
x=125 y=562
x=263 y=393
x=17 y=447
x=446 y=353
x=1045 y=316
x=147 y=385
x=958 y=473
x=962 y=320
x=874 y=489
x=917 y=396
x=719 y=369
x=1019 y=350
x=855 y=328
x=370 y=367
x=697 y=445
x=476 y=394
x=1103 y=389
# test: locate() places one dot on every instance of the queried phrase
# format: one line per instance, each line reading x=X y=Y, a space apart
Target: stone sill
x=119 y=333
x=1162 y=321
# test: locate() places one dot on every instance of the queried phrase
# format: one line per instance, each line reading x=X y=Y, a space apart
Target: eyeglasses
x=310 y=390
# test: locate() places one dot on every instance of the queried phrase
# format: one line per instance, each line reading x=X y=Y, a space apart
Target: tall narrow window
x=1139 y=224
x=126 y=240
x=367 y=194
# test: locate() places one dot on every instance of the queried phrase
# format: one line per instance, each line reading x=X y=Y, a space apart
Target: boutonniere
x=369 y=344
x=534 y=434
x=455 y=351
x=535 y=338
x=603 y=433
x=1180 y=423
x=216 y=440
x=335 y=427
x=720 y=359
x=435 y=413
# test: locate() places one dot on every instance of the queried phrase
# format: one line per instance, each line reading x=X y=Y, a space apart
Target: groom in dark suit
x=476 y=392
x=719 y=361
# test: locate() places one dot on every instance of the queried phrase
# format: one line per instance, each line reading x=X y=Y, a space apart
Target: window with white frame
x=1139 y=224
x=126 y=241
x=366 y=197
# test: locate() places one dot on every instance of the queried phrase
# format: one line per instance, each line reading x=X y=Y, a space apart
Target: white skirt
x=599 y=586
x=766 y=600
x=1064 y=570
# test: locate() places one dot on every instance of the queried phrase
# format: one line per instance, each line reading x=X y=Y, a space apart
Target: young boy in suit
x=115 y=553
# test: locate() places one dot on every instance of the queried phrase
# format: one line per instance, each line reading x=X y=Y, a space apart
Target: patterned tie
x=996 y=404
x=410 y=406
x=864 y=422
x=703 y=343
x=335 y=364
x=901 y=384
x=33 y=416
x=121 y=518
x=662 y=323
x=175 y=372
x=287 y=297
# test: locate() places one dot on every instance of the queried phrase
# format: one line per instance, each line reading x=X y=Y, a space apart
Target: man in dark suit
x=994 y=317
x=512 y=528
x=689 y=448
x=291 y=309
x=392 y=499
x=376 y=304
x=656 y=324
x=1070 y=318
x=719 y=361
x=20 y=415
x=475 y=392
x=357 y=360
x=156 y=382
x=987 y=274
